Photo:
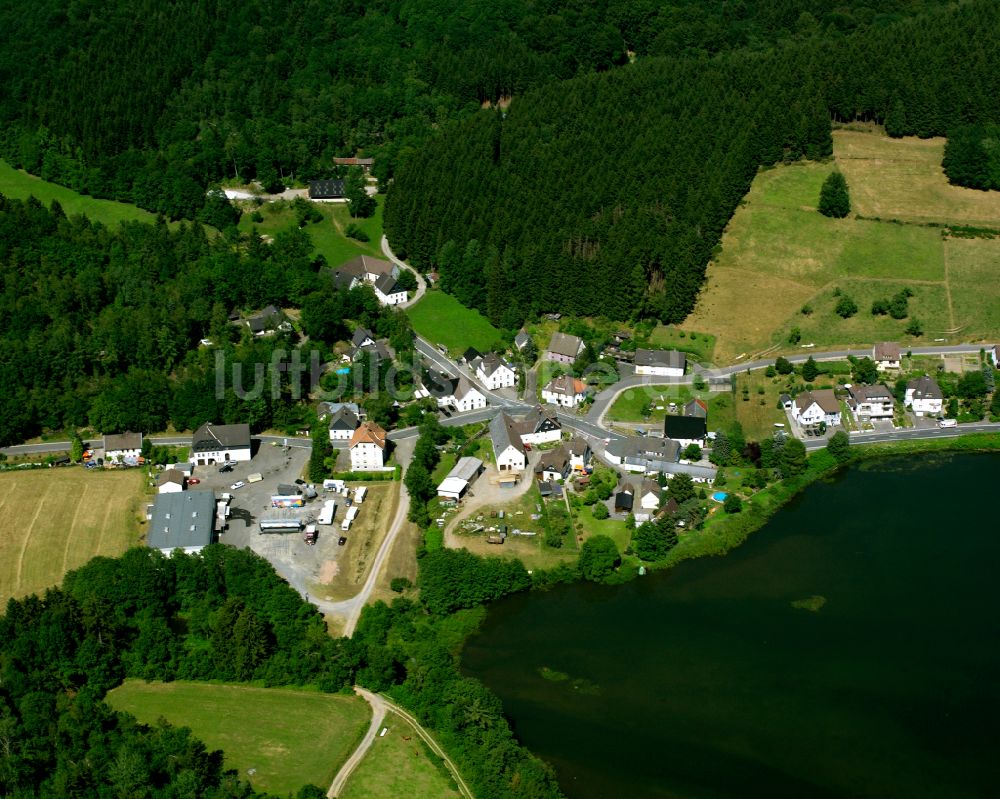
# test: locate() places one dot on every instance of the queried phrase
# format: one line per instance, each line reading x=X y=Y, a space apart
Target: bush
x=846 y=307
x=601 y=511
x=356 y=233
x=834 y=198
x=733 y=504
x=400 y=584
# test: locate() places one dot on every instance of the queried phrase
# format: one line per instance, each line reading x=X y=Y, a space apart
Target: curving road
x=379 y=708
x=421 y=282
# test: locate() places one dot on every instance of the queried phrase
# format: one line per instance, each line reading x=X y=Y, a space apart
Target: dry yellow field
x=779 y=254
x=54 y=520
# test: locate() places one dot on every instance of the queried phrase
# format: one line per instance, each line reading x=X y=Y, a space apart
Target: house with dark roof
x=220 y=443
x=495 y=373
x=553 y=464
x=564 y=348
x=170 y=481
x=522 y=340
x=785 y=401
x=579 y=454
x=122 y=448
x=327 y=190
x=450 y=392
x=269 y=321
x=871 y=402
x=362 y=338
x=644 y=453
x=388 y=290
x=696 y=407
x=182 y=520
x=685 y=429
x=886 y=355
x=924 y=396
x=508 y=448
x=342 y=424
x=813 y=407
x=625 y=498
x=470 y=357
x=565 y=390
x=539 y=426
x=662 y=363
x=381 y=275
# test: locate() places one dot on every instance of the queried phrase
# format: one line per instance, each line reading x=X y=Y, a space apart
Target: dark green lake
x=705 y=681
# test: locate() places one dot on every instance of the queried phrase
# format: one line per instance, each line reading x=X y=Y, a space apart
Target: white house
x=362 y=338
x=565 y=390
x=871 y=402
x=170 y=481
x=218 y=443
x=662 y=363
x=466 y=397
x=579 y=454
x=538 y=427
x=343 y=423
x=886 y=355
x=494 y=373
x=924 y=396
x=450 y=392
x=123 y=448
x=367 y=448
x=183 y=520
x=648 y=498
x=564 y=348
x=388 y=291
x=813 y=407
x=994 y=353
x=553 y=465
x=507 y=445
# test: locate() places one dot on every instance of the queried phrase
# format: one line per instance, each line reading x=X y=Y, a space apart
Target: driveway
x=421 y=282
x=485 y=494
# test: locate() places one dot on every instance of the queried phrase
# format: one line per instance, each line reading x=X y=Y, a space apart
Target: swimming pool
x=720 y=496
x=345 y=370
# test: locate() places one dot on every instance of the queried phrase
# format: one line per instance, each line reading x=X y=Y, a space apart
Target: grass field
x=631 y=403
x=442 y=319
x=400 y=764
x=16 y=184
x=700 y=347
x=290 y=738
x=328 y=237
x=54 y=520
x=779 y=254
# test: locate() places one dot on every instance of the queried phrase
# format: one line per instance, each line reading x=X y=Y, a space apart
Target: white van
x=948 y=423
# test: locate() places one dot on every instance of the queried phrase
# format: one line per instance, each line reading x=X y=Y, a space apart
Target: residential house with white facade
x=507 y=445
x=539 y=427
x=662 y=363
x=220 y=443
x=123 y=448
x=813 y=407
x=924 y=397
x=564 y=348
x=494 y=373
x=381 y=275
x=553 y=464
x=342 y=424
x=367 y=448
x=579 y=454
x=886 y=355
x=565 y=391
x=170 y=481
x=871 y=402
x=648 y=500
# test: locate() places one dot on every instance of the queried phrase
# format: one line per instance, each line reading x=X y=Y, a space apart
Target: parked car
x=300 y=482
x=342 y=540
x=948 y=423
x=226 y=467
x=237 y=484
x=193 y=481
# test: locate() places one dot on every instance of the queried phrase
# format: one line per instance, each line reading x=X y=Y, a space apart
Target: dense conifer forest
x=606 y=194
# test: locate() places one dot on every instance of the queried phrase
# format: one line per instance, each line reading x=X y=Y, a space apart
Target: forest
x=224 y=614
x=151 y=102
x=606 y=194
x=101 y=327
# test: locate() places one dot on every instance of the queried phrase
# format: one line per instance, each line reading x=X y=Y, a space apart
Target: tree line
x=608 y=193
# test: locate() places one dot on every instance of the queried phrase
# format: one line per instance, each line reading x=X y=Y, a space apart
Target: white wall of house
x=395 y=298
x=660 y=371
x=240 y=455
x=119 y=455
x=562 y=400
x=545 y=437
x=366 y=455
x=875 y=409
x=472 y=401
x=557 y=357
x=923 y=406
x=187 y=550
x=882 y=365
x=170 y=488
x=578 y=462
x=814 y=414
x=340 y=435
x=503 y=377
x=551 y=475
x=511 y=460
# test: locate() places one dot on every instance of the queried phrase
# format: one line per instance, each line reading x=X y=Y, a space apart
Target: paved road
x=157 y=441
x=421 y=283
x=912 y=433
x=379 y=709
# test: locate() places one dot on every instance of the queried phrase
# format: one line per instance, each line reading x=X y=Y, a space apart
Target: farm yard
x=779 y=255
x=277 y=739
x=54 y=520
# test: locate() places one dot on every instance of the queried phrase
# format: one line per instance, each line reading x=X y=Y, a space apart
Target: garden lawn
x=400 y=764
x=700 y=347
x=19 y=185
x=289 y=738
x=442 y=319
x=633 y=403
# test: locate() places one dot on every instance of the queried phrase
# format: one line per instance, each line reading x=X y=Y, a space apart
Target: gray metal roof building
x=184 y=520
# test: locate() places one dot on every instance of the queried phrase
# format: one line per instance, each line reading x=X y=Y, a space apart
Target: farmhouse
x=886 y=355
x=343 y=423
x=123 y=448
x=564 y=348
x=493 y=372
x=507 y=446
x=663 y=363
x=565 y=390
x=170 y=481
x=326 y=190
x=924 y=396
x=553 y=465
x=685 y=429
x=539 y=427
x=871 y=402
x=219 y=443
x=381 y=275
x=813 y=407
x=184 y=520
x=367 y=447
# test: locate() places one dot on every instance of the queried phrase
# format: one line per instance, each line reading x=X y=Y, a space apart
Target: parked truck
x=310 y=535
x=349 y=517
x=359 y=494
x=328 y=512
x=287 y=501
